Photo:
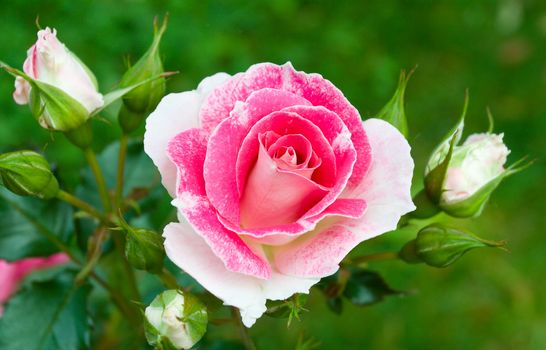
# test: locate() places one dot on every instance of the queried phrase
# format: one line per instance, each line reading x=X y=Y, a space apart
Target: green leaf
x=47 y=315
x=144 y=249
x=29 y=227
x=366 y=287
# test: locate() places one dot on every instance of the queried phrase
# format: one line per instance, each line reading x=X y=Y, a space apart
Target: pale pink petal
x=386 y=190
x=275 y=197
x=8 y=281
x=21 y=95
x=189 y=252
x=312 y=87
x=174 y=114
x=225 y=142
x=187 y=151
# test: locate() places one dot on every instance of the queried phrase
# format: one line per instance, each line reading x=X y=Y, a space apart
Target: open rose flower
x=276 y=178
x=11 y=273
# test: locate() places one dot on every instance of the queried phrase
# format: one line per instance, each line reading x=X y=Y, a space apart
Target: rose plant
x=274 y=178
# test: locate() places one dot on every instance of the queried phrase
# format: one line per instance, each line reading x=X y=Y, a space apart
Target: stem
x=372 y=257
x=93 y=254
x=78 y=203
x=120 y=248
x=168 y=279
x=243 y=331
x=121 y=169
x=97 y=172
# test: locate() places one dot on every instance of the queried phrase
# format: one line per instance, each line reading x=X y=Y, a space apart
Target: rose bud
x=460 y=179
x=144 y=249
x=175 y=320
x=28 y=173
x=60 y=89
x=441 y=246
x=140 y=101
x=393 y=112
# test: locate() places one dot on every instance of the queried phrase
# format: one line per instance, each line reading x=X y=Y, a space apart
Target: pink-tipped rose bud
x=49 y=61
x=11 y=273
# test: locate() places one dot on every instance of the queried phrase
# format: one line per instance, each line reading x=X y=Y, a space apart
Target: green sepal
x=434 y=180
x=473 y=205
x=53 y=108
x=440 y=246
x=365 y=287
x=28 y=173
x=393 y=112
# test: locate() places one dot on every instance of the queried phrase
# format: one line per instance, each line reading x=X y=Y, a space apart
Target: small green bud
x=144 y=249
x=393 y=112
x=175 y=320
x=441 y=246
x=28 y=173
x=142 y=99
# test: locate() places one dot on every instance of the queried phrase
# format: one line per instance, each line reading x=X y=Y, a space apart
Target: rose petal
x=312 y=87
x=225 y=141
x=174 y=114
x=274 y=196
x=187 y=151
x=386 y=190
x=189 y=252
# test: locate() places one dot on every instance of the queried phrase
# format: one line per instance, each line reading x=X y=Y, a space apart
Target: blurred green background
x=496 y=49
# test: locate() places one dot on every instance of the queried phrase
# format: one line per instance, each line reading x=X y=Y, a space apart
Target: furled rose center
x=280 y=187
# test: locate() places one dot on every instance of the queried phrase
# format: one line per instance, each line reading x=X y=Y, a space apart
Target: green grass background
x=496 y=49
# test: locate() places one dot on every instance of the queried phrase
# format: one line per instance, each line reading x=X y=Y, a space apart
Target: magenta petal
x=275 y=197
x=311 y=87
x=187 y=151
x=225 y=141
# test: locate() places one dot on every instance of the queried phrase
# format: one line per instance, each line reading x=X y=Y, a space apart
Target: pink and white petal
x=225 y=142
x=175 y=113
x=386 y=190
x=187 y=151
x=275 y=197
x=249 y=294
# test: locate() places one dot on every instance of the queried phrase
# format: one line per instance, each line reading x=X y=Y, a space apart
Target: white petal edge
x=249 y=294
x=175 y=113
x=386 y=187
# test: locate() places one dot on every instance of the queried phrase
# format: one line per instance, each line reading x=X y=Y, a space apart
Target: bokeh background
x=497 y=49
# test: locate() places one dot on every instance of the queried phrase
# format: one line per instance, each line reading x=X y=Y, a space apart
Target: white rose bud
x=175 y=320
x=50 y=62
x=476 y=162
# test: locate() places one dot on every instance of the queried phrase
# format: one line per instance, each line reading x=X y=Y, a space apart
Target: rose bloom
x=49 y=61
x=477 y=161
x=11 y=273
x=275 y=178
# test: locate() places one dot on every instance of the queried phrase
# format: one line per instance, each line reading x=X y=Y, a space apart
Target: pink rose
x=276 y=178
x=49 y=61
x=12 y=273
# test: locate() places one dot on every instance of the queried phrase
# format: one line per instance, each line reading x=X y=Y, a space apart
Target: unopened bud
x=144 y=249
x=28 y=173
x=441 y=246
x=175 y=320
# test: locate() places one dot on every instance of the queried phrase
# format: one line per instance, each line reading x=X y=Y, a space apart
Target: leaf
x=28 y=226
x=366 y=287
x=47 y=315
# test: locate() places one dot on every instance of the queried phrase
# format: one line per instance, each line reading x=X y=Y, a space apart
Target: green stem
x=78 y=203
x=168 y=279
x=121 y=169
x=94 y=251
x=243 y=331
x=372 y=257
x=97 y=172
x=129 y=272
